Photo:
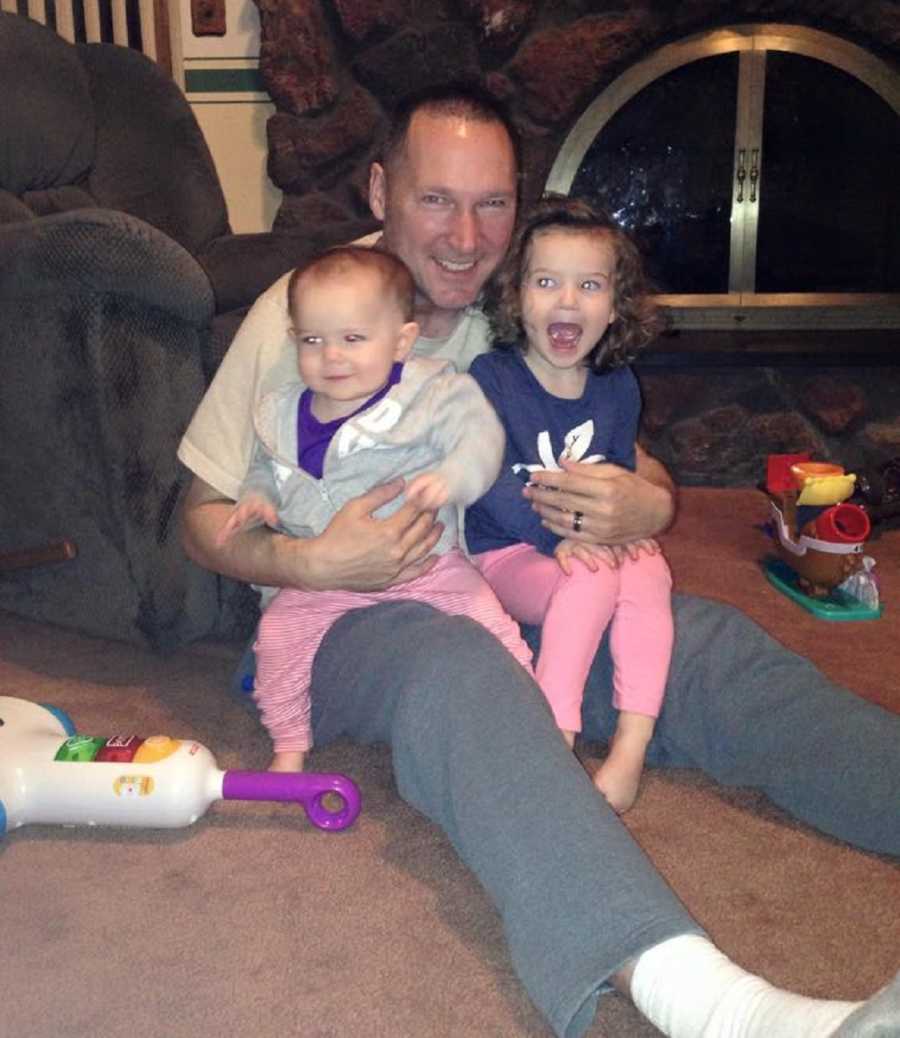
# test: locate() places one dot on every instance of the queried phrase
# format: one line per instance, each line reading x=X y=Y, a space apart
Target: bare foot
x=288 y=760
x=619 y=776
x=619 y=783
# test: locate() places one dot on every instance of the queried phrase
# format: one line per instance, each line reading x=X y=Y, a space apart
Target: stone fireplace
x=715 y=403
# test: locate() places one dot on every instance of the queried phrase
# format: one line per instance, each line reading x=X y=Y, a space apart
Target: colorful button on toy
x=156 y=748
x=120 y=749
x=80 y=748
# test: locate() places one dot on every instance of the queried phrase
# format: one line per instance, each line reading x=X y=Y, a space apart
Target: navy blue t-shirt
x=600 y=426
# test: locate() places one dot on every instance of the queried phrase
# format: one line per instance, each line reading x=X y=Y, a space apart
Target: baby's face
x=349 y=332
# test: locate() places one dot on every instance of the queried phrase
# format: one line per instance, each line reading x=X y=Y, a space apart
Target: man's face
x=448 y=205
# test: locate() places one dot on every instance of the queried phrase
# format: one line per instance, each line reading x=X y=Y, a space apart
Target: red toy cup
x=843 y=524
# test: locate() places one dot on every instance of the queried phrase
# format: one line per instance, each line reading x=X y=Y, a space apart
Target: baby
x=363 y=412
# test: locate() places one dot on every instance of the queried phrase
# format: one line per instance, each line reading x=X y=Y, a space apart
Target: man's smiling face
x=448 y=203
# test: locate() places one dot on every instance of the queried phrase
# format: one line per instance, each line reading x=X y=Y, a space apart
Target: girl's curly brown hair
x=637 y=322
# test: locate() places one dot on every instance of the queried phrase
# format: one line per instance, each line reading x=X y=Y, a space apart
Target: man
x=474 y=745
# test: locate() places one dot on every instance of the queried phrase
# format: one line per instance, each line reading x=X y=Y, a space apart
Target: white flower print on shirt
x=575 y=446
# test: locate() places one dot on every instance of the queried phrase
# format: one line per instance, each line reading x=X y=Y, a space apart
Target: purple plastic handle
x=308 y=788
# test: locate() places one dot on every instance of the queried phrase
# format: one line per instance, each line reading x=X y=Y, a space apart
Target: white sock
x=689 y=989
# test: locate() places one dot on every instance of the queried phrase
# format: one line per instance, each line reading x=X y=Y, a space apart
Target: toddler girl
x=571 y=299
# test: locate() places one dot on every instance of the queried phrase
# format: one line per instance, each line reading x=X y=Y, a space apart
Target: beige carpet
x=253 y=923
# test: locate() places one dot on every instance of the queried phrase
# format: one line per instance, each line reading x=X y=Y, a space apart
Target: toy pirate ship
x=819 y=538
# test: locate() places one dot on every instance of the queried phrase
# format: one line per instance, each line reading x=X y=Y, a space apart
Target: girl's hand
x=645 y=546
x=252 y=510
x=428 y=490
x=567 y=550
x=612 y=555
x=615 y=554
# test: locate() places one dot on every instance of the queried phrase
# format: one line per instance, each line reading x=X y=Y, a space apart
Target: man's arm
x=617 y=506
x=653 y=471
x=355 y=553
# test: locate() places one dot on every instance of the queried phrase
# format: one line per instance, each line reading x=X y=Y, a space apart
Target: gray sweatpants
x=470 y=731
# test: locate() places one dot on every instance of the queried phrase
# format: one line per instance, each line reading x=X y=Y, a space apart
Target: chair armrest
x=12 y=210
x=105 y=322
x=102 y=250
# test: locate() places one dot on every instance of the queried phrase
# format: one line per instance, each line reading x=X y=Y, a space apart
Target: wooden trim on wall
x=163 y=35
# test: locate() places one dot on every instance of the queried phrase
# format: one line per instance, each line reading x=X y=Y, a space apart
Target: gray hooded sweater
x=433 y=419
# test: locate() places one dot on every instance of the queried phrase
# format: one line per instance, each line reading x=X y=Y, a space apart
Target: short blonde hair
x=344 y=259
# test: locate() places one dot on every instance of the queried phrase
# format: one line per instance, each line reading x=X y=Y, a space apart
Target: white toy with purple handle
x=49 y=774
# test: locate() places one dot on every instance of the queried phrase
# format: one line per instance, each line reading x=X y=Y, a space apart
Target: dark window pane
x=829 y=217
x=663 y=165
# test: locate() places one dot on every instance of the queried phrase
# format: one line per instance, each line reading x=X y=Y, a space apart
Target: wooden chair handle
x=58 y=551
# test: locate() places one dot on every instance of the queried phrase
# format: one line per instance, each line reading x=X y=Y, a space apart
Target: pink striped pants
x=295 y=622
x=575 y=610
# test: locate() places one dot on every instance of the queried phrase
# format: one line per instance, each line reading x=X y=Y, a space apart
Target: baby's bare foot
x=288 y=760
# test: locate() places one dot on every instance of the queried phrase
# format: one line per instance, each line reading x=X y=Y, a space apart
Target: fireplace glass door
x=758 y=168
x=662 y=166
x=829 y=218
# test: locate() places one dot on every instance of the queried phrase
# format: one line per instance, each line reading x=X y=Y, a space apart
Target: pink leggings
x=575 y=611
x=295 y=622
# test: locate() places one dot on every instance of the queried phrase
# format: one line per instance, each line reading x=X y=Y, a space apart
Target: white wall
x=232 y=111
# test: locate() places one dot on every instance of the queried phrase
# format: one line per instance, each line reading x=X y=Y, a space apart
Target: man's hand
x=617 y=506
x=360 y=553
x=355 y=552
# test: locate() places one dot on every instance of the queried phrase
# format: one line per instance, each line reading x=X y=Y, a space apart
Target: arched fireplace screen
x=758 y=166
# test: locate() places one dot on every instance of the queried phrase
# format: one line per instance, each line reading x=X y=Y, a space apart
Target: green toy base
x=837 y=606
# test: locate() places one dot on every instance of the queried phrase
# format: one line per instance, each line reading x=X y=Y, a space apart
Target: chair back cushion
x=98 y=125
x=151 y=159
x=47 y=125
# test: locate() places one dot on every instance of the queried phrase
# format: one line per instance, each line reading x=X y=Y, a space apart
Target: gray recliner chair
x=121 y=285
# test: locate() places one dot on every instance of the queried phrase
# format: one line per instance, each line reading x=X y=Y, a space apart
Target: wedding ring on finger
x=576 y=521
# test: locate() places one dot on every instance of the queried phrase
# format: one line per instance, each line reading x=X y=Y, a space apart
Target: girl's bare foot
x=619 y=776
x=619 y=779
x=288 y=760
